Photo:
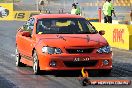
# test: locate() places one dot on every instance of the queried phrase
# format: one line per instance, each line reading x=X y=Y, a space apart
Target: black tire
x=0 y=14
x=36 y=68
x=105 y=72
x=7 y=11
x=17 y=59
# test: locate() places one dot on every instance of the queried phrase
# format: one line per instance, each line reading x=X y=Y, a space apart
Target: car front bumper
x=74 y=61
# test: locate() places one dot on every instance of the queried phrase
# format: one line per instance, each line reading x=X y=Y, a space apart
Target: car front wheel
x=36 y=68
x=17 y=58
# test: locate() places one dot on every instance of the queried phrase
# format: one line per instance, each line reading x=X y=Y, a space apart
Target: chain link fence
x=89 y=8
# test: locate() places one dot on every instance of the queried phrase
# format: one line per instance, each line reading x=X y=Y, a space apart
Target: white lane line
x=12 y=55
x=121 y=50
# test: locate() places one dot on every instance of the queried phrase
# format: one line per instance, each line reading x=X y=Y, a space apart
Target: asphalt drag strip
x=6 y=83
x=23 y=77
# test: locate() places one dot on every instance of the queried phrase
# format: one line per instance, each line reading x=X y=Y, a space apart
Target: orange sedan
x=62 y=42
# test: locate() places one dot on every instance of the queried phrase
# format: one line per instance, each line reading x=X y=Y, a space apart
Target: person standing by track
x=108 y=10
x=75 y=9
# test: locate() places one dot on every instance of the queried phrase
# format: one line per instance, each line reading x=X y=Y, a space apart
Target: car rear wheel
x=36 y=68
x=17 y=58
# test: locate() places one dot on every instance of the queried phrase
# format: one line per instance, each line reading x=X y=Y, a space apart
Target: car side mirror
x=24 y=26
x=101 y=32
x=26 y=34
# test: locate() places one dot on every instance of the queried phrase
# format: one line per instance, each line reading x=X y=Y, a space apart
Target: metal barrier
x=89 y=8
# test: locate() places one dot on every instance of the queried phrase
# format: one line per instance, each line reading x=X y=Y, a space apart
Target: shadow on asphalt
x=72 y=73
x=120 y=69
x=92 y=73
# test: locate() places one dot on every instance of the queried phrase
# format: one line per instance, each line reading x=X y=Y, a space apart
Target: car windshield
x=64 y=26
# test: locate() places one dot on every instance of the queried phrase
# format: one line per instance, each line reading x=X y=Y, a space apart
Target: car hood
x=72 y=40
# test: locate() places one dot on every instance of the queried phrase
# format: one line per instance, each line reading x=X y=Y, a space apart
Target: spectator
x=41 y=2
x=131 y=15
x=40 y=12
x=75 y=9
x=78 y=9
x=41 y=5
x=107 y=11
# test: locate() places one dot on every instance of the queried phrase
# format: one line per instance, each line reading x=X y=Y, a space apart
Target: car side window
x=40 y=27
x=29 y=26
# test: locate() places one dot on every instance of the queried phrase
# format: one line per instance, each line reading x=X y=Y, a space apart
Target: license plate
x=81 y=59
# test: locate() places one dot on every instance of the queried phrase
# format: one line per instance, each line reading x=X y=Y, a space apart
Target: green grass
x=8 y=1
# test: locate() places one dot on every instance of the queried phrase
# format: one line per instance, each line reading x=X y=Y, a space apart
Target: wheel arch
x=33 y=50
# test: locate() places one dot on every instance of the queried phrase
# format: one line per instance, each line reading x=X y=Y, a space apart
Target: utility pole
x=97 y=4
x=64 y=4
x=13 y=4
x=37 y=5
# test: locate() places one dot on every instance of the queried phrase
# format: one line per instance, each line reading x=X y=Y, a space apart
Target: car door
x=27 y=42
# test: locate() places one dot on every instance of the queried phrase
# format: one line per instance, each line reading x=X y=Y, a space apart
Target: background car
x=62 y=42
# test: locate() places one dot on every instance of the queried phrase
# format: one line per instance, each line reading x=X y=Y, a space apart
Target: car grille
x=80 y=63
x=76 y=51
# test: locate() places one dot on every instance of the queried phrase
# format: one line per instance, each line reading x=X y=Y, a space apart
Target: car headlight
x=51 y=50
x=58 y=51
x=105 y=49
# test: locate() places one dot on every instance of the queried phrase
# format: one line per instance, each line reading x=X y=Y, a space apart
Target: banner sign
x=24 y=15
x=6 y=11
x=118 y=35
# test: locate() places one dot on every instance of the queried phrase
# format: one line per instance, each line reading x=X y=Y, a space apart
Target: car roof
x=40 y=16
